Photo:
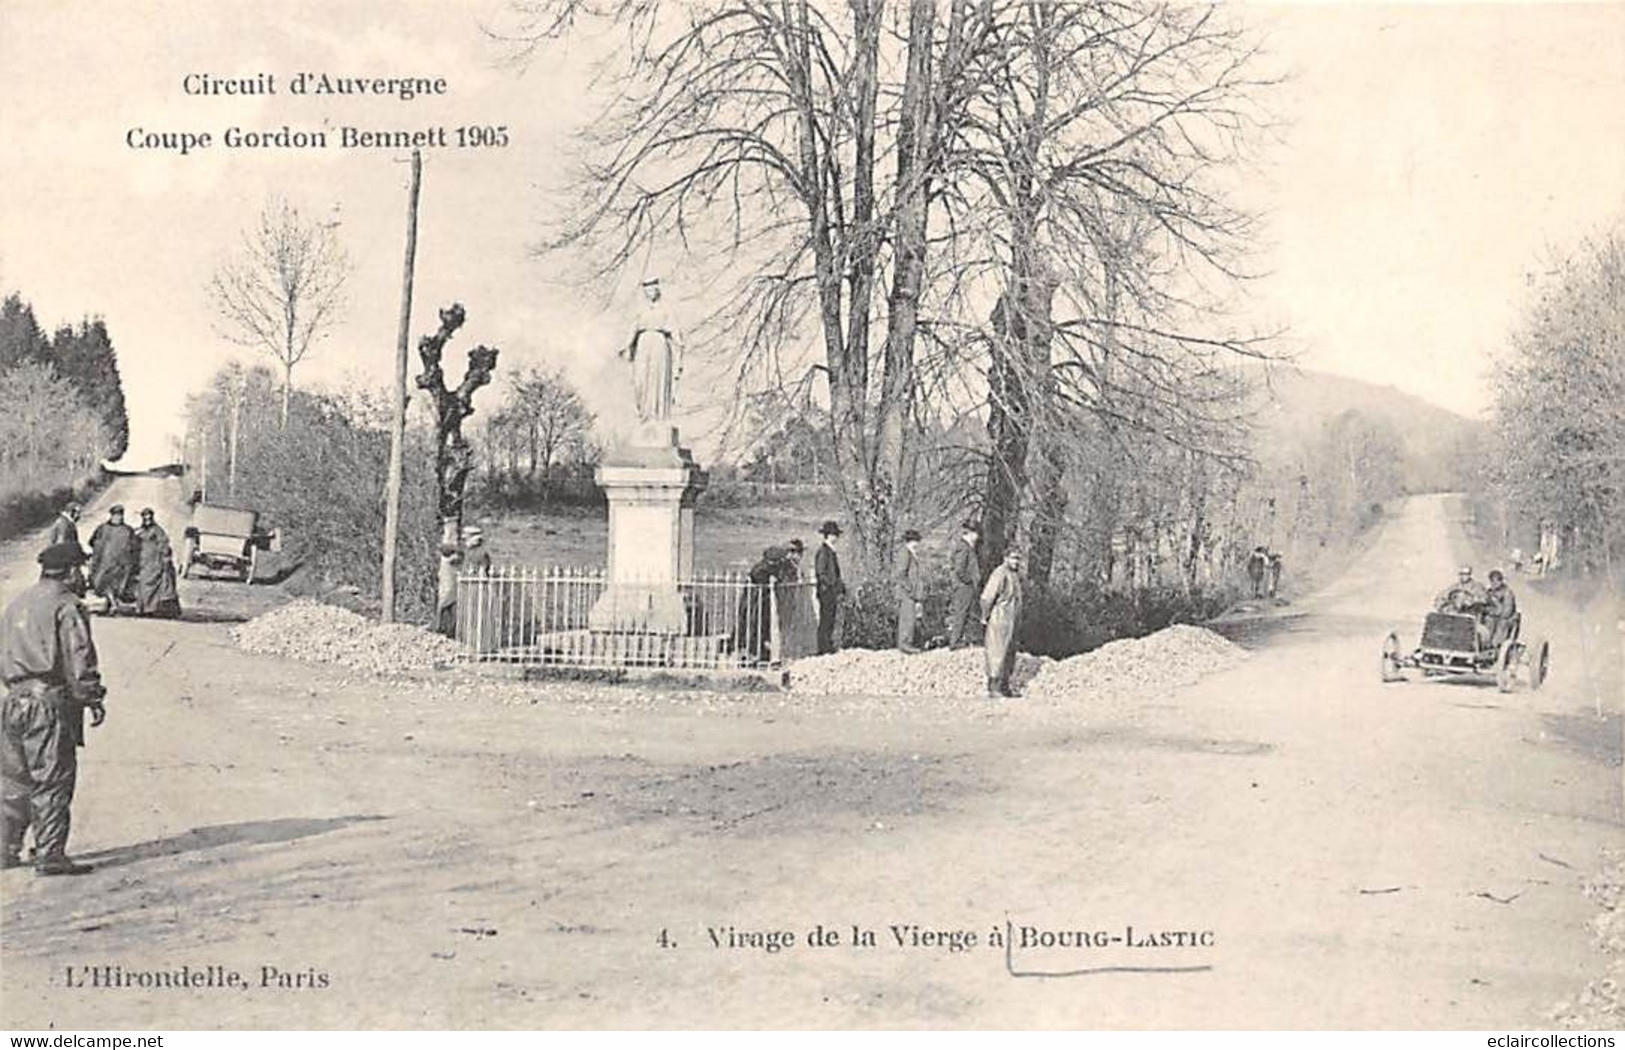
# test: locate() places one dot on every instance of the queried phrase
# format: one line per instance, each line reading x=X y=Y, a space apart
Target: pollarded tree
x=283 y=288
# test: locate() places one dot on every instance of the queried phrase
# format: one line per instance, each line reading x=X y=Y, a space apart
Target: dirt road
x=441 y=854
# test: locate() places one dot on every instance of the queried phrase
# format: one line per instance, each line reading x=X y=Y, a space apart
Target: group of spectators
x=1264 y=571
x=991 y=604
x=130 y=568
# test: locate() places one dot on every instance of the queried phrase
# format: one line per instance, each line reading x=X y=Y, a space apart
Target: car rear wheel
x=1506 y=667
x=1538 y=656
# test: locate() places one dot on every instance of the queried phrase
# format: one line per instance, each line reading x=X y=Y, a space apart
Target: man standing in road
x=967 y=581
x=1257 y=562
x=65 y=526
x=910 y=593
x=48 y=667
x=155 y=593
x=1001 y=611
x=65 y=529
x=112 y=557
x=1275 y=572
x=828 y=586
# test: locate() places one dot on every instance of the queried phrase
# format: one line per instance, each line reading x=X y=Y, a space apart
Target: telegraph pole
x=397 y=428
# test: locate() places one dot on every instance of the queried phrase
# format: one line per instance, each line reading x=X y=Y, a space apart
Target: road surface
x=400 y=854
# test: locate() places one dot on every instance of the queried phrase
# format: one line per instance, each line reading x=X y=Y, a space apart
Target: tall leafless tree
x=1083 y=201
x=283 y=288
x=762 y=129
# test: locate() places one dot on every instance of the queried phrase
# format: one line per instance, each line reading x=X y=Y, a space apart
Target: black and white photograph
x=812 y=515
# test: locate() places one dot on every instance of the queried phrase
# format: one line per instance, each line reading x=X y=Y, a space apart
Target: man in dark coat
x=65 y=529
x=48 y=669
x=967 y=581
x=753 y=630
x=1500 y=608
x=155 y=593
x=910 y=593
x=1257 y=562
x=65 y=526
x=113 y=557
x=828 y=585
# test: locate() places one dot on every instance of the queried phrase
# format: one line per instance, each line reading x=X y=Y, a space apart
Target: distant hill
x=1294 y=404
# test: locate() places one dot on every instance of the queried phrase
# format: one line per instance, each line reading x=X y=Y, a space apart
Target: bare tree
x=283 y=289
x=760 y=130
x=1081 y=200
x=549 y=413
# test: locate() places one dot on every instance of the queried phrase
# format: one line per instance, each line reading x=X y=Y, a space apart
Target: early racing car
x=225 y=539
x=1453 y=646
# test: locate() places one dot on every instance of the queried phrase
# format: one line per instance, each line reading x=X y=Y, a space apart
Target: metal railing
x=718 y=621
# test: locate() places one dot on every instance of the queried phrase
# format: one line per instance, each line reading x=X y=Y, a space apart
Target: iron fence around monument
x=543 y=617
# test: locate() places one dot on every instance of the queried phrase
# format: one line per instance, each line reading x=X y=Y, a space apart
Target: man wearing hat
x=48 y=669
x=828 y=586
x=112 y=557
x=476 y=559
x=910 y=593
x=155 y=593
x=65 y=529
x=967 y=582
x=65 y=526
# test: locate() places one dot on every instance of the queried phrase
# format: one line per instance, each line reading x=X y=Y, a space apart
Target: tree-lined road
x=396 y=854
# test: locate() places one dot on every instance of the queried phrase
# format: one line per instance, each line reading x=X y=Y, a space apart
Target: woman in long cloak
x=155 y=571
x=1001 y=609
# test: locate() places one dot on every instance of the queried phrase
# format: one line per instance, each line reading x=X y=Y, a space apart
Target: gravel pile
x=1600 y=1006
x=890 y=672
x=308 y=630
x=1170 y=658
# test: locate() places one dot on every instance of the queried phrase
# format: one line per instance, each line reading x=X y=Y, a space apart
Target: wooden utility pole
x=397 y=427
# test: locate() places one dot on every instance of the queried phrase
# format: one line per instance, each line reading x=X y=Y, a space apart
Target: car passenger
x=1500 y=609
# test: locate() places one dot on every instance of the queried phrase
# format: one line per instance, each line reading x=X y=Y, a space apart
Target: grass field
x=724 y=537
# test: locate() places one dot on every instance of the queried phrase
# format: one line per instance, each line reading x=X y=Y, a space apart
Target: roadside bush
x=23 y=512
x=321 y=481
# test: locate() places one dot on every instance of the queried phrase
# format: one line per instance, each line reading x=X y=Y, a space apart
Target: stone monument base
x=651 y=483
x=632 y=608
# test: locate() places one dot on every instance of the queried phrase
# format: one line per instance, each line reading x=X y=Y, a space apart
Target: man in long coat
x=1001 y=611
x=113 y=548
x=910 y=593
x=155 y=593
x=753 y=628
x=65 y=529
x=828 y=585
x=967 y=583
x=48 y=670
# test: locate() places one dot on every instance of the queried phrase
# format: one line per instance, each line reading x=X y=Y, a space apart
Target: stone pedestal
x=652 y=484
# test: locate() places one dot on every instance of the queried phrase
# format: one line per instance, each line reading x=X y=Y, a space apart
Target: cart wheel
x=1390 y=658
x=1538 y=656
x=253 y=559
x=1506 y=666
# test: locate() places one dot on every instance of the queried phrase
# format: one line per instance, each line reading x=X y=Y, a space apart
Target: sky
x=1430 y=158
